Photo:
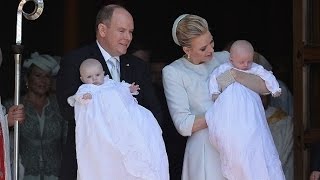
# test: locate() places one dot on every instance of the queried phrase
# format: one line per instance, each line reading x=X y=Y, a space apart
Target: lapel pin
x=127 y=65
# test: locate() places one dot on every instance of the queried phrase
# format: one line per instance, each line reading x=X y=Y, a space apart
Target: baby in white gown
x=116 y=138
x=237 y=123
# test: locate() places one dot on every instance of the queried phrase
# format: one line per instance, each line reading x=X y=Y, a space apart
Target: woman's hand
x=16 y=113
x=251 y=81
x=225 y=79
x=199 y=124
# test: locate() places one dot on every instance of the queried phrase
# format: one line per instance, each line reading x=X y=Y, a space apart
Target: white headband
x=174 y=28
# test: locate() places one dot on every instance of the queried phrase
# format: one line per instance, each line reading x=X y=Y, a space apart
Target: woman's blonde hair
x=187 y=27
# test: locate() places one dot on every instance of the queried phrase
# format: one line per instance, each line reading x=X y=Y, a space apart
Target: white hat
x=44 y=61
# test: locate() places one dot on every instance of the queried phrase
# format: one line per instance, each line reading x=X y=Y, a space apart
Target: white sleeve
x=3 y=114
x=177 y=100
x=128 y=86
x=270 y=80
x=78 y=97
x=213 y=84
x=72 y=100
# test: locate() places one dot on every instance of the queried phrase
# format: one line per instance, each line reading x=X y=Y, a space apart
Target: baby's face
x=92 y=75
x=241 y=61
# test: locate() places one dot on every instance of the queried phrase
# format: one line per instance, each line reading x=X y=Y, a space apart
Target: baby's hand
x=276 y=94
x=134 y=88
x=87 y=96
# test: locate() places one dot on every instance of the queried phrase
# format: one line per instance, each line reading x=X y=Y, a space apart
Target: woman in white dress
x=116 y=138
x=186 y=89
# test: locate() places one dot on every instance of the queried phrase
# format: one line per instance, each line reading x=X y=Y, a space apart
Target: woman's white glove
x=225 y=79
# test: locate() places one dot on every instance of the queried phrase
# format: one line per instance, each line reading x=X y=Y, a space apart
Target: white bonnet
x=45 y=62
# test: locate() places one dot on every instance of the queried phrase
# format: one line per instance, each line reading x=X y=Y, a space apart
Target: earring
x=27 y=85
x=188 y=56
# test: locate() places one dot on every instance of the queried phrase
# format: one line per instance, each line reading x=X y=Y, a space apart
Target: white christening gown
x=238 y=129
x=116 y=138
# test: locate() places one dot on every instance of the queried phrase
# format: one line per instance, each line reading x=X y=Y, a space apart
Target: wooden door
x=306 y=82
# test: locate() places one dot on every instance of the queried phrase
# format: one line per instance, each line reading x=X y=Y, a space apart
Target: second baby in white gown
x=237 y=122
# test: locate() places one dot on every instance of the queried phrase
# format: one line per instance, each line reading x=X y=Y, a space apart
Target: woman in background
x=44 y=130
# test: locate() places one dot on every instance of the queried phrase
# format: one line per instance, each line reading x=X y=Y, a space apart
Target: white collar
x=105 y=54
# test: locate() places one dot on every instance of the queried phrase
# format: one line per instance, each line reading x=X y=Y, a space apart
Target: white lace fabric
x=116 y=138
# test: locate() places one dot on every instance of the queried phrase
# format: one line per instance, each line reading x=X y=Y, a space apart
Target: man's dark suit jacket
x=132 y=69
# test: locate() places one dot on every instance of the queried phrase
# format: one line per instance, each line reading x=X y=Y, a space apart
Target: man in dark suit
x=114 y=28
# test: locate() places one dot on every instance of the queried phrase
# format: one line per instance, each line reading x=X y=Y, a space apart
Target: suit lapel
x=126 y=69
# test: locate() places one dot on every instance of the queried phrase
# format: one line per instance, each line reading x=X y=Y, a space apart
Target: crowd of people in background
x=176 y=94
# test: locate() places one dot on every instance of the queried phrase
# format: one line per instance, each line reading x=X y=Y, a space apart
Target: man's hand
x=16 y=113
